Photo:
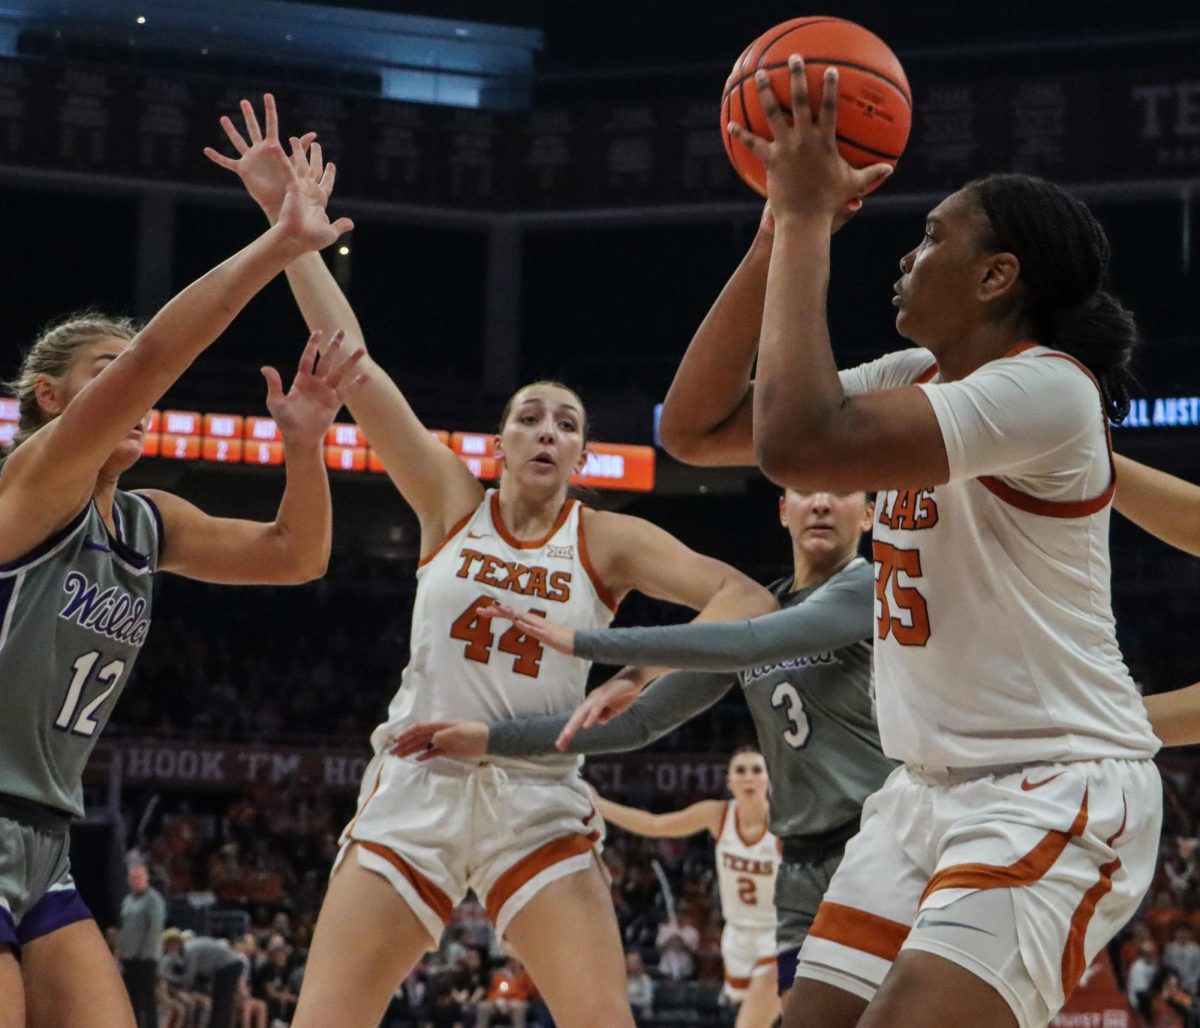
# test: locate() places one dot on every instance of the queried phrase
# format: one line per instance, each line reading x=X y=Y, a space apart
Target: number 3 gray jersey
x=806 y=674
x=75 y=612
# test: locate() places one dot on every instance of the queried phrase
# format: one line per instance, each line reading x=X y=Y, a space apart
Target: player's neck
x=529 y=516
x=752 y=813
x=808 y=573
x=104 y=496
x=988 y=342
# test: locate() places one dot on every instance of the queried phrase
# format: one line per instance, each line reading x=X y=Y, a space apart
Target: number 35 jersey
x=995 y=638
x=75 y=613
x=466 y=667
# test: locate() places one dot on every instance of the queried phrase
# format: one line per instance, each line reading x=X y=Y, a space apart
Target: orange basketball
x=874 y=100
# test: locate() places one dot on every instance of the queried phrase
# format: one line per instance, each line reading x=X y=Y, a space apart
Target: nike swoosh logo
x=929 y=922
x=98 y=547
x=476 y=535
x=1027 y=785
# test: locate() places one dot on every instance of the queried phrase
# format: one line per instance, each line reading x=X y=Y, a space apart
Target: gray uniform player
x=76 y=611
x=806 y=674
x=77 y=556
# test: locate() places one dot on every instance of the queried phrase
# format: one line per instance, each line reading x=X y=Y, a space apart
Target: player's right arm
x=50 y=477
x=1165 y=506
x=1175 y=715
x=840 y=614
x=669 y=701
x=433 y=481
x=677 y=824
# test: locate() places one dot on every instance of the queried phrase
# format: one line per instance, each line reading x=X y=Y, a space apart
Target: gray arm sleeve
x=668 y=702
x=837 y=615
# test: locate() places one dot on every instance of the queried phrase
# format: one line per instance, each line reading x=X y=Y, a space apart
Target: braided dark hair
x=1064 y=270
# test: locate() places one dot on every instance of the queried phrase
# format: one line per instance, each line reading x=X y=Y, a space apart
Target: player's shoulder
x=892 y=370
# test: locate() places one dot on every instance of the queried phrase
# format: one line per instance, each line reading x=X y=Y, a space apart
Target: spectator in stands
x=509 y=996
x=1163 y=916
x=677 y=944
x=1165 y=1004
x=469 y=980
x=139 y=944
x=444 y=1010
x=274 y=981
x=1141 y=973
x=639 y=984
x=251 y=1010
x=211 y=961
x=1182 y=955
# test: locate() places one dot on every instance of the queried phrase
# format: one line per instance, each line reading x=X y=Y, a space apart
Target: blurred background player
x=747 y=858
x=78 y=556
x=521 y=833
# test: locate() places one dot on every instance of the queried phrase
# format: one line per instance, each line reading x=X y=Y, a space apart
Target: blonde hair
x=52 y=354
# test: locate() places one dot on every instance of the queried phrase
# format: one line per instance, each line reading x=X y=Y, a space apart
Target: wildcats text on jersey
x=112 y=613
x=514 y=576
x=792 y=664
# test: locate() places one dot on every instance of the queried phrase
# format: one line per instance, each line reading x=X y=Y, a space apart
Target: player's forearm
x=640 y=822
x=705 y=418
x=1175 y=716
x=797 y=393
x=805 y=630
x=1165 y=506
x=669 y=702
x=321 y=300
x=304 y=522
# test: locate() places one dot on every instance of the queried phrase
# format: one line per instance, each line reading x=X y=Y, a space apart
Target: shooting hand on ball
x=805 y=173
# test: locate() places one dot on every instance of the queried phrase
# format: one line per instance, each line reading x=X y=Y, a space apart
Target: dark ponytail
x=1064 y=256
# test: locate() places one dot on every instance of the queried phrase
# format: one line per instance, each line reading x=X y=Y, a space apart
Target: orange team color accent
x=1025 y=871
x=1074 y=961
x=458 y=527
x=869 y=933
x=602 y=590
x=437 y=900
x=553 y=852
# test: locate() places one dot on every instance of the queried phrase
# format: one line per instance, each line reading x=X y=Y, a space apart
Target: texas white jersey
x=995 y=636
x=746 y=874
x=465 y=667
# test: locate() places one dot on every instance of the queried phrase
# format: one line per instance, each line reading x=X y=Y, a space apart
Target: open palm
x=305 y=412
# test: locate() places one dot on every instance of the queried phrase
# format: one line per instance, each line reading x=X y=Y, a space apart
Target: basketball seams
x=794 y=27
x=836 y=63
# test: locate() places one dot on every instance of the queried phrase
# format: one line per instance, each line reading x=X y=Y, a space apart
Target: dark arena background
x=539 y=191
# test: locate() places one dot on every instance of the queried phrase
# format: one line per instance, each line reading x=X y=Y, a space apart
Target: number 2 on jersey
x=890 y=563
x=476 y=632
x=85 y=724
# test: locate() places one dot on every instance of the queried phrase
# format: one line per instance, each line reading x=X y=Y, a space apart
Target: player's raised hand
x=305 y=412
x=255 y=164
x=601 y=705
x=557 y=637
x=805 y=172
x=302 y=217
x=459 y=739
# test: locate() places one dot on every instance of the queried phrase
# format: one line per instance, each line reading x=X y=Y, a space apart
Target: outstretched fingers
x=776 y=116
x=827 y=113
x=251 y=119
x=308 y=358
x=271 y=113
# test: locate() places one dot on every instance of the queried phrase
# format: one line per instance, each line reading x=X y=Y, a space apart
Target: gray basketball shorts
x=37 y=892
x=799 y=889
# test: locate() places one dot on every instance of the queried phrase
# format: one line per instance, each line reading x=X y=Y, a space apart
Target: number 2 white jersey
x=464 y=667
x=996 y=642
x=746 y=870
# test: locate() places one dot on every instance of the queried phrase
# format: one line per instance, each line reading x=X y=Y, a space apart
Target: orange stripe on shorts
x=1073 y=962
x=437 y=900
x=553 y=852
x=869 y=933
x=1025 y=871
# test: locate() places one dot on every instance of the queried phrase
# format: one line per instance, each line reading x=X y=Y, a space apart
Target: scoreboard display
x=233 y=439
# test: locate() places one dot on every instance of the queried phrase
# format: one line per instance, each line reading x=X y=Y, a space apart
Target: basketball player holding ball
x=522 y=833
x=1021 y=830
x=77 y=559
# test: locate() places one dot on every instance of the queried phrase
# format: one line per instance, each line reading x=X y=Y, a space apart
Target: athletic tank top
x=746 y=871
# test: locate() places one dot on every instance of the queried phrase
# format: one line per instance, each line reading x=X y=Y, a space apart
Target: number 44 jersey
x=466 y=667
x=75 y=612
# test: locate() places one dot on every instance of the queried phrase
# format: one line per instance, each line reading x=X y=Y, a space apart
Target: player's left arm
x=1165 y=506
x=295 y=546
x=630 y=553
x=1175 y=715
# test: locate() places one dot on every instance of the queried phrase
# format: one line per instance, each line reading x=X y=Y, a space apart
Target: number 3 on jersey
x=476 y=632
x=890 y=564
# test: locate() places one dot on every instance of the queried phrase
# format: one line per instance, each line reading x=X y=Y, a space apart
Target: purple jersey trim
x=53 y=911
x=785 y=968
x=8 y=931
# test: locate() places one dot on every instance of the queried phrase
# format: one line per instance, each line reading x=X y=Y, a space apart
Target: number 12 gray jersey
x=74 y=613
